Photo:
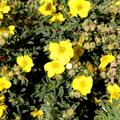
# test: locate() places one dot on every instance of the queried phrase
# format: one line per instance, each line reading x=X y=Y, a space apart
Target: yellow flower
x=62 y=51
x=37 y=113
x=11 y=29
x=118 y=2
x=4 y=8
x=58 y=17
x=54 y=68
x=79 y=7
x=114 y=91
x=4 y=84
x=48 y=8
x=25 y=62
x=105 y=60
x=83 y=84
x=2 y=110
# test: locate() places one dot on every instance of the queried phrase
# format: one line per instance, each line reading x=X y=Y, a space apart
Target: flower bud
x=69 y=66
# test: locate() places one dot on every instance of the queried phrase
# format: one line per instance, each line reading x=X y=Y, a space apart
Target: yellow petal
x=1 y=16
x=50 y=74
x=2 y=98
x=57 y=18
x=53 y=46
x=26 y=69
x=11 y=27
x=117 y=3
x=47 y=66
x=1 y=112
x=19 y=59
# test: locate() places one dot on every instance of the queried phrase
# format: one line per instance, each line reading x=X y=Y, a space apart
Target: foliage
x=108 y=111
x=79 y=45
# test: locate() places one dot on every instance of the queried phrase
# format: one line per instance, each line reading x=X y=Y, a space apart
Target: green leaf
x=61 y=91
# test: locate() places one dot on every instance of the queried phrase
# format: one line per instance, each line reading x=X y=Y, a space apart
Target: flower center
x=61 y=49
x=115 y=95
x=83 y=84
x=79 y=7
x=2 y=84
x=24 y=63
x=48 y=6
x=55 y=65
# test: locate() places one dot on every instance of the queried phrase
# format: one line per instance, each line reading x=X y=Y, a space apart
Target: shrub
x=59 y=59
